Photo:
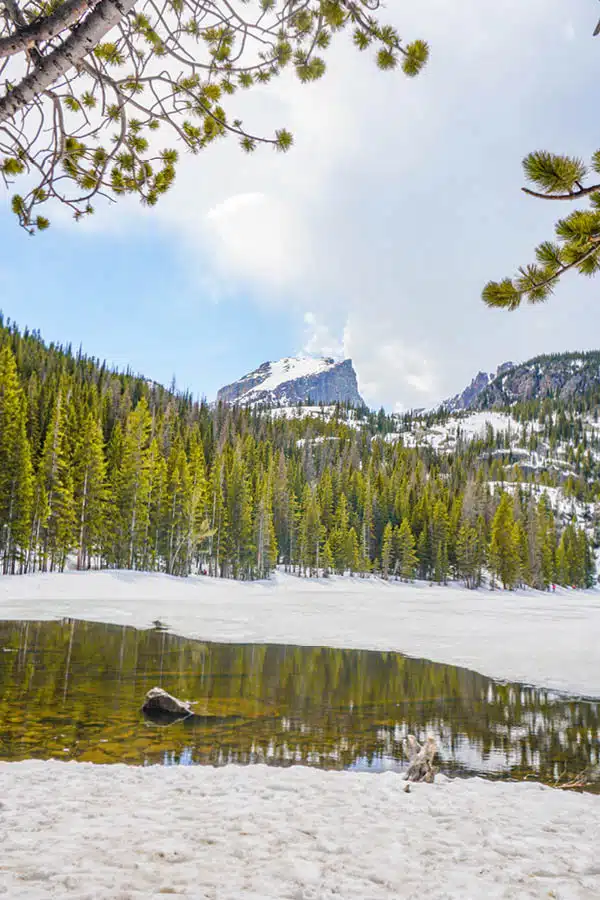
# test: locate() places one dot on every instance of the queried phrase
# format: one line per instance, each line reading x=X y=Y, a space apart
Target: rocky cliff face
x=561 y=376
x=294 y=380
x=469 y=397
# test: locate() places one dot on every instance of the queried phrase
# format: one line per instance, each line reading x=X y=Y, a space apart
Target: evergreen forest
x=102 y=469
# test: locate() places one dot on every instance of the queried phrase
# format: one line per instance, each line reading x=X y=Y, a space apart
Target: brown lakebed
x=73 y=690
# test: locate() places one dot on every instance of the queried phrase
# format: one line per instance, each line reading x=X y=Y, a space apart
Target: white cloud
x=400 y=198
x=255 y=237
x=319 y=339
x=389 y=365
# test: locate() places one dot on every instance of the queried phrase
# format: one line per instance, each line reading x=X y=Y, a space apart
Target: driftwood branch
x=420 y=759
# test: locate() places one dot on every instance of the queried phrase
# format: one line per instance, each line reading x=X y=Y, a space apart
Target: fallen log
x=420 y=759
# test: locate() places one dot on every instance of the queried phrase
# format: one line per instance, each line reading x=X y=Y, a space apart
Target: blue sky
x=371 y=239
x=132 y=302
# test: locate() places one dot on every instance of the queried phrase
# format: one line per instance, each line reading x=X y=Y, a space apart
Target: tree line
x=114 y=471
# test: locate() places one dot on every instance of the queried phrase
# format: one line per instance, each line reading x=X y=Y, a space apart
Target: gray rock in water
x=158 y=700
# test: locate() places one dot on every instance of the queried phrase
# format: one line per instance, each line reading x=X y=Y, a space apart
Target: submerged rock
x=160 y=701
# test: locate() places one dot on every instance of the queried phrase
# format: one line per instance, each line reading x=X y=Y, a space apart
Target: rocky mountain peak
x=293 y=380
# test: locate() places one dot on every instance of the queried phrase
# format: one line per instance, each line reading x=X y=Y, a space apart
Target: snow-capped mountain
x=294 y=380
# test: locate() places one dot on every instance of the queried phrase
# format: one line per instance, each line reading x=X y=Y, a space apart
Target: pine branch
x=573 y=195
x=502 y=296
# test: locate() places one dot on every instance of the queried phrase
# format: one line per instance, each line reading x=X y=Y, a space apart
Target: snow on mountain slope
x=444 y=436
x=291 y=368
x=294 y=380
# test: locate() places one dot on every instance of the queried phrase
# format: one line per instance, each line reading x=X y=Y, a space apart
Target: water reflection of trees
x=73 y=690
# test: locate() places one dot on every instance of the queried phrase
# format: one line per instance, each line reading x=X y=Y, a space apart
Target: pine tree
x=293 y=519
x=504 y=549
x=16 y=475
x=132 y=489
x=353 y=551
x=155 y=541
x=56 y=489
x=311 y=532
x=241 y=548
x=282 y=515
x=339 y=536
x=424 y=553
x=440 y=528
x=547 y=543
x=387 y=550
x=219 y=523
x=198 y=527
x=265 y=538
x=406 y=557
x=178 y=510
x=470 y=549
x=327 y=563
x=90 y=490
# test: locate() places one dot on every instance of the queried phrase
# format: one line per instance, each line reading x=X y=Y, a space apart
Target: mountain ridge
x=561 y=376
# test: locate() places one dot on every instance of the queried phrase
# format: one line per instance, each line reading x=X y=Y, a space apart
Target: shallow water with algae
x=73 y=690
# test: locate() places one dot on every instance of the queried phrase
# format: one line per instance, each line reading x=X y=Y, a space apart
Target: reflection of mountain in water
x=73 y=690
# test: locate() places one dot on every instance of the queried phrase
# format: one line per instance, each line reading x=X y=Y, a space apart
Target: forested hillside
x=111 y=470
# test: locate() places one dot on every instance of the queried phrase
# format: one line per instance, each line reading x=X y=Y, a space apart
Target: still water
x=73 y=690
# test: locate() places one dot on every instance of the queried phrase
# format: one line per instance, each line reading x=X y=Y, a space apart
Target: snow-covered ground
x=550 y=639
x=123 y=832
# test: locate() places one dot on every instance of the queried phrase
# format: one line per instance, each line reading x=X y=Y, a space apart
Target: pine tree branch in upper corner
x=97 y=96
x=577 y=246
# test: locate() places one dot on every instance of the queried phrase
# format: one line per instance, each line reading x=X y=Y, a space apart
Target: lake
x=73 y=690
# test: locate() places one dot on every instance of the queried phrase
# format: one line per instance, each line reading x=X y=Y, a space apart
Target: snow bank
x=106 y=832
x=538 y=638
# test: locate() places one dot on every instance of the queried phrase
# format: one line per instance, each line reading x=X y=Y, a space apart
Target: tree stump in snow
x=159 y=701
x=420 y=759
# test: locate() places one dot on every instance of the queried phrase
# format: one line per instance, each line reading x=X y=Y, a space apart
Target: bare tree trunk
x=27 y=35
x=80 y=43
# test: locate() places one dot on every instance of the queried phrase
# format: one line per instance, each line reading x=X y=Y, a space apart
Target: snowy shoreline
x=544 y=639
x=105 y=832
x=100 y=832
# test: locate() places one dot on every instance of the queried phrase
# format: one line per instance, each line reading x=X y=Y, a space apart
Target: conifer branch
x=578 y=235
x=573 y=195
